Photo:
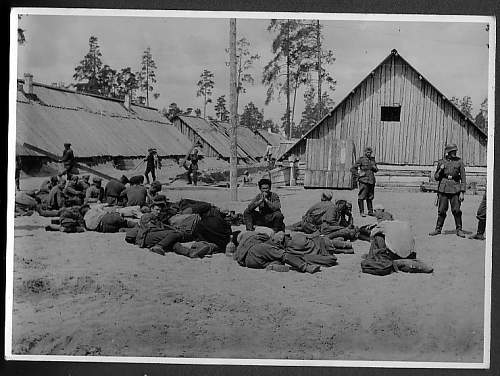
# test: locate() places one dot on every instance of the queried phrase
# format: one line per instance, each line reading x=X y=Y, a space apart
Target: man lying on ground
x=70 y=220
x=336 y=222
x=254 y=250
x=269 y=209
x=312 y=219
x=106 y=219
x=392 y=249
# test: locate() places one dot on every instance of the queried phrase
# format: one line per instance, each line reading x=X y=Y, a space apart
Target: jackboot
x=361 y=207
x=458 y=225
x=481 y=228
x=439 y=226
x=369 y=205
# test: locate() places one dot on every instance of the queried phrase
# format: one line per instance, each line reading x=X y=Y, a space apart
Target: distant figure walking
x=365 y=167
x=68 y=160
x=152 y=163
x=190 y=163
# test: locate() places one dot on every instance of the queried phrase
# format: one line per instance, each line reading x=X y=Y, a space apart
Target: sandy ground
x=94 y=294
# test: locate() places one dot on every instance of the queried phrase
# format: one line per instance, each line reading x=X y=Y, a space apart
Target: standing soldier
x=481 y=218
x=450 y=174
x=151 y=164
x=68 y=159
x=366 y=178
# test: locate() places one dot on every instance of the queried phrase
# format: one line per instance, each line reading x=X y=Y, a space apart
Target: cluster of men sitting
x=198 y=229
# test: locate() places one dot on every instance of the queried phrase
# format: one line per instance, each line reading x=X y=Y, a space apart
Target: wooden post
x=293 y=182
x=233 y=171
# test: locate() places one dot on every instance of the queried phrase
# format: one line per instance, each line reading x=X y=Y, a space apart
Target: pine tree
x=221 y=110
x=251 y=117
x=205 y=88
x=147 y=74
x=86 y=73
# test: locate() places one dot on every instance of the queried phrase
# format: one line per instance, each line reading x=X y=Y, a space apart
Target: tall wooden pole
x=318 y=42
x=233 y=172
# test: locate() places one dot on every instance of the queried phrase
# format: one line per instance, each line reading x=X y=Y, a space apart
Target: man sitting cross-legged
x=269 y=209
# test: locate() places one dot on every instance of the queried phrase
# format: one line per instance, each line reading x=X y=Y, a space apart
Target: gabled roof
x=252 y=144
x=218 y=140
x=273 y=139
x=95 y=126
x=393 y=52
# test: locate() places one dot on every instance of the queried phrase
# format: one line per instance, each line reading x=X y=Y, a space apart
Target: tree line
x=93 y=76
x=299 y=63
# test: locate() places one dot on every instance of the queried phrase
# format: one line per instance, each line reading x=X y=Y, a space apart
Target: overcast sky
x=452 y=56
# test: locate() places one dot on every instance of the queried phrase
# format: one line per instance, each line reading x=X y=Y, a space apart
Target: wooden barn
x=405 y=119
x=215 y=142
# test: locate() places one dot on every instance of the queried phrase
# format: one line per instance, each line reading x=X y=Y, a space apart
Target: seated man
x=153 y=190
x=311 y=220
x=269 y=213
x=42 y=195
x=135 y=194
x=83 y=183
x=74 y=197
x=114 y=189
x=95 y=193
x=254 y=250
x=334 y=223
x=57 y=198
x=392 y=249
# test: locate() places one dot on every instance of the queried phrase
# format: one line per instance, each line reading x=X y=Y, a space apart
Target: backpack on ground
x=377 y=265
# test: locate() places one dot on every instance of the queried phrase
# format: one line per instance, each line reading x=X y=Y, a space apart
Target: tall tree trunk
x=147 y=81
x=289 y=125
x=318 y=42
x=204 y=104
x=233 y=160
x=294 y=99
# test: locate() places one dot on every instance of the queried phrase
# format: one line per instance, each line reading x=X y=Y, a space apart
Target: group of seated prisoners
x=197 y=229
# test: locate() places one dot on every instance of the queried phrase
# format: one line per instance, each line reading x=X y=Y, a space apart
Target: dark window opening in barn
x=390 y=113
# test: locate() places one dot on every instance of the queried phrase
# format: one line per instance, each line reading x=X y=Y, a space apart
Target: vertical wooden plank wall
x=428 y=121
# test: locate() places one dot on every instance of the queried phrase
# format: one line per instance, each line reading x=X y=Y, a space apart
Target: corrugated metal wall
x=428 y=121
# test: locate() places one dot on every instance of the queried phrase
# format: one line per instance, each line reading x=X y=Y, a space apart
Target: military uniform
x=366 y=180
x=481 y=217
x=452 y=182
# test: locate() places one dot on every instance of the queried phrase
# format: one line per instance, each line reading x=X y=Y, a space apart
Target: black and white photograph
x=250 y=188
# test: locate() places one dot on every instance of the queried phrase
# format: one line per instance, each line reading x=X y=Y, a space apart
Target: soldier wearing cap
x=68 y=160
x=365 y=168
x=311 y=220
x=450 y=174
x=95 y=193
